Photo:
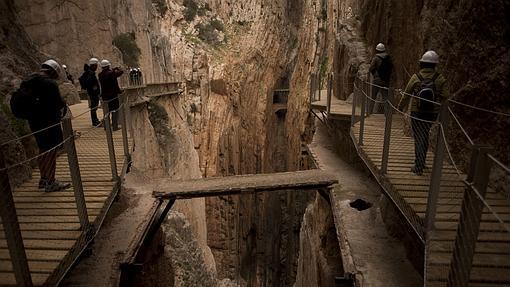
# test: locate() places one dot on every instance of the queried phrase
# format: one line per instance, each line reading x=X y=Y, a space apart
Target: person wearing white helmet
x=426 y=91
x=68 y=75
x=44 y=108
x=110 y=89
x=90 y=83
x=381 y=68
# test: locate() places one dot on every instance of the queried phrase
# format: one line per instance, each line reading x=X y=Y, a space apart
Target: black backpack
x=426 y=93
x=385 y=68
x=83 y=79
x=24 y=101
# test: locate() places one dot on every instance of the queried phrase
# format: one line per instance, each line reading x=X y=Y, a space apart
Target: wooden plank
x=46 y=226
x=38 y=279
x=55 y=212
x=39 y=255
x=310 y=179
x=479 y=275
x=38 y=199
x=21 y=205
x=480 y=260
x=52 y=219
x=481 y=247
x=35 y=266
x=52 y=244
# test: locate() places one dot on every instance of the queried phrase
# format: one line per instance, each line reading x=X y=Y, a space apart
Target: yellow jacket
x=414 y=83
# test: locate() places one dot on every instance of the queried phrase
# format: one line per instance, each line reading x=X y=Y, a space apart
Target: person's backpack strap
x=420 y=77
x=434 y=78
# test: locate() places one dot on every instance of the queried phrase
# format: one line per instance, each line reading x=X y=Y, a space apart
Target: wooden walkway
x=491 y=266
x=341 y=110
x=49 y=221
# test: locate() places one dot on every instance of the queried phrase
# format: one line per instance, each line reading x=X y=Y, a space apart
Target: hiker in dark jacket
x=110 y=89
x=49 y=110
x=381 y=68
x=424 y=112
x=69 y=77
x=88 y=81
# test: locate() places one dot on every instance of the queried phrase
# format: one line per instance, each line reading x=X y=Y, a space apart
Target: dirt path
x=379 y=258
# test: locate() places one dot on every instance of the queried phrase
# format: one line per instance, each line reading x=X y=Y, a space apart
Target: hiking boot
x=56 y=186
x=416 y=170
x=43 y=183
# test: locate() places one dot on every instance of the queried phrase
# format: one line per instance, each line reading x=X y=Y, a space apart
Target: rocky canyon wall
x=18 y=58
x=74 y=31
x=277 y=46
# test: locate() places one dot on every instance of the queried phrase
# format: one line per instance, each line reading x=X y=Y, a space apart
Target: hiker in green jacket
x=426 y=91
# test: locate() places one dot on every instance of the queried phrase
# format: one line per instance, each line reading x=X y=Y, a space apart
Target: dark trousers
x=94 y=103
x=113 y=106
x=421 y=132
x=373 y=96
x=48 y=165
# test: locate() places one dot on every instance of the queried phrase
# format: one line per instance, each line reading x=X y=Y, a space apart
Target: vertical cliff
x=74 y=31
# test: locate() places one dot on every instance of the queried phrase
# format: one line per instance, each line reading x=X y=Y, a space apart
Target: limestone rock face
x=319 y=250
x=74 y=31
x=69 y=93
x=254 y=236
x=185 y=253
x=18 y=58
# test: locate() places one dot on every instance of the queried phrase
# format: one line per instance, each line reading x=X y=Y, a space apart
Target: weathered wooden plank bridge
x=170 y=190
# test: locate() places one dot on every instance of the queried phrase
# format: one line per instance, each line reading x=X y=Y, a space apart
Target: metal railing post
x=311 y=89
x=330 y=93
x=470 y=218
x=362 y=118
x=387 y=132
x=319 y=80
x=354 y=100
x=435 y=185
x=123 y=117
x=109 y=140
x=74 y=169
x=12 y=230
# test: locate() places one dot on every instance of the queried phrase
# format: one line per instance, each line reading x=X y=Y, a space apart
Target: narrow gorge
x=242 y=71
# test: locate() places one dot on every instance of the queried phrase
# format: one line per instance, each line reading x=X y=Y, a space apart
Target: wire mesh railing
x=435 y=174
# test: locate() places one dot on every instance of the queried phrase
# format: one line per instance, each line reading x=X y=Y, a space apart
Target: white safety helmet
x=64 y=66
x=380 y=47
x=93 y=61
x=105 y=63
x=430 y=57
x=52 y=64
